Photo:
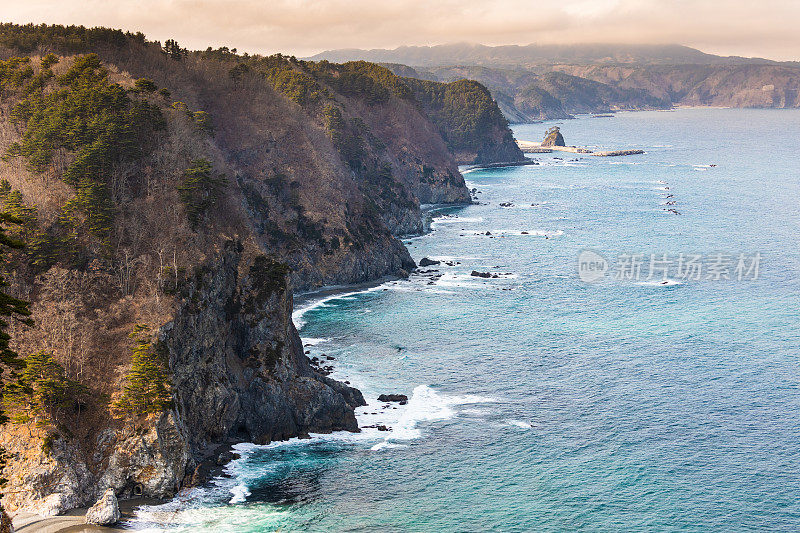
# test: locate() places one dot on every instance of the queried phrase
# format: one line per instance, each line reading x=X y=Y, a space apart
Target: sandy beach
x=74 y=521
x=532 y=147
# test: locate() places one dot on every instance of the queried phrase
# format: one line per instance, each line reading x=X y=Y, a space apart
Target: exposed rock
x=616 y=153
x=236 y=357
x=553 y=137
x=481 y=274
x=239 y=374
x=424 y=262
x=392 y=398
x=106 y=511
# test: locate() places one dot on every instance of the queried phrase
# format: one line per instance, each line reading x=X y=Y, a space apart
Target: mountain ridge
x=533 y=54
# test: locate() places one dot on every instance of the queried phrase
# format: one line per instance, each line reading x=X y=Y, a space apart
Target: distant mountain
x=541 y=82
x=535 y=55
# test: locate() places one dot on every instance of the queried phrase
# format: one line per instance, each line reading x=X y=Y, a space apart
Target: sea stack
x=553 y=137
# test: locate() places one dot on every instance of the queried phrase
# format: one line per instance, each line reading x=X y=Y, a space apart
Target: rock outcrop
x=425 y=262
x=238 y=375
x=237 y=359
x=553 y=137
x=106 y=511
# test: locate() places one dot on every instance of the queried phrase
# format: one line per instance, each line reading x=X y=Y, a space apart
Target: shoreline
x=533 y=147
x=503 y=164
x=308 y=300
x=74 y=520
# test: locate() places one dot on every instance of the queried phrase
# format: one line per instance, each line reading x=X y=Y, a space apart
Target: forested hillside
x=479 y=135
x=169 y=203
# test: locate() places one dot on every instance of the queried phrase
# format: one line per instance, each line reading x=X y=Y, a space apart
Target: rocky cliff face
x=238 y=366
x=238 y=375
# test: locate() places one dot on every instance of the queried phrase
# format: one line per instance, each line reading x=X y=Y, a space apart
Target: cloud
x=303 y=27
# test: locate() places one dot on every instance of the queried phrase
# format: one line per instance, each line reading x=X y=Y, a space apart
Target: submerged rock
x=106 y=511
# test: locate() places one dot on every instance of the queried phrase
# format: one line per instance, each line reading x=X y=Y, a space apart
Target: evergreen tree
x=41 y=393
x=199 y=189
x=173 y=50
x=147 y=389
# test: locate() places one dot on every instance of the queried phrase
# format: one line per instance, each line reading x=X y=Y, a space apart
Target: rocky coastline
x=248 y=196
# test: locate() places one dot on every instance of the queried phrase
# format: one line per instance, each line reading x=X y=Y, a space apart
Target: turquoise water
x=540 y=402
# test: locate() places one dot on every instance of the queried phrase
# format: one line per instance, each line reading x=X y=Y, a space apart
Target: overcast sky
x=765 y=28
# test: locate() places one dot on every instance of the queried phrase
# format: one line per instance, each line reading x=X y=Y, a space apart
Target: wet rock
x=481 y=274
x=424 y=262
x=106 y=511
x=393 y=398
x=226 y=457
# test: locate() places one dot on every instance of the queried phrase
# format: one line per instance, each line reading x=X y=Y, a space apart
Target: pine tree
x=147 y=389
x=41 y=393
x=199 y=189
x=173 y=50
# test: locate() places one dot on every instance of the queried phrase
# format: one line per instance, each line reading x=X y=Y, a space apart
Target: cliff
x=172 y=202
x=469 y=120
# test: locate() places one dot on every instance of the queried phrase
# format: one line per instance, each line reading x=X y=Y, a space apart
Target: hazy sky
x=765 y=28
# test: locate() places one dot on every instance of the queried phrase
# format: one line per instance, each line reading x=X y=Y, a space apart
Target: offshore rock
x=392 y=398
x=553 y=137
x=424 y=262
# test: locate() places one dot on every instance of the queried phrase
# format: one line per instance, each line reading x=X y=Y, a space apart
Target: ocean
x=655 y=388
